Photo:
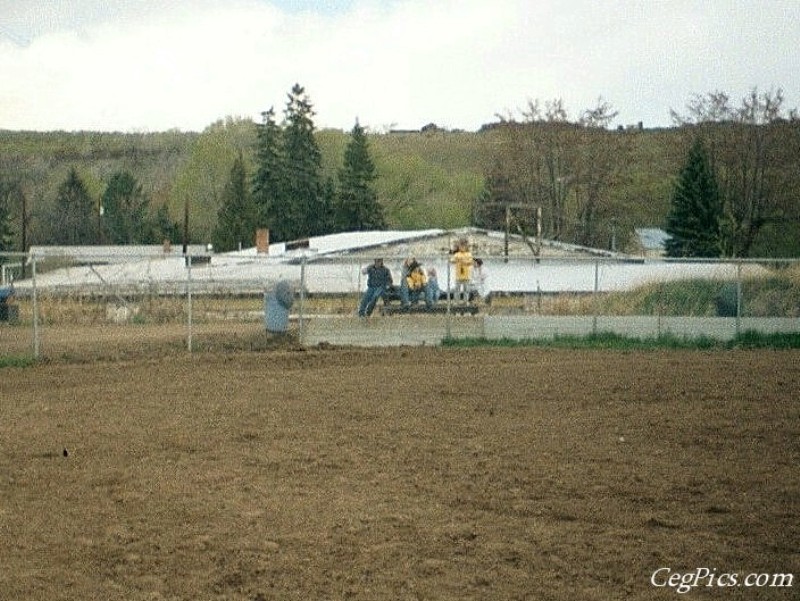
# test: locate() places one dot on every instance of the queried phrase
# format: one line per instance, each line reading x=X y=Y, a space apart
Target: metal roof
x=652 y=238
x=333 y=265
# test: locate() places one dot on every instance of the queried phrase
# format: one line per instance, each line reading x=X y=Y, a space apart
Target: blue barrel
x=8 y=312
x=277 y=303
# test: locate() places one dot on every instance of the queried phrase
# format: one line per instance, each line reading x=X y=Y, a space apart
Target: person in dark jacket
x=379 y=278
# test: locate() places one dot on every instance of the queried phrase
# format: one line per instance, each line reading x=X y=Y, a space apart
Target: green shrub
x=16 y=361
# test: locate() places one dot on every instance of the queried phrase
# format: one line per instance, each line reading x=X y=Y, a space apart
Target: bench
x=392 y=304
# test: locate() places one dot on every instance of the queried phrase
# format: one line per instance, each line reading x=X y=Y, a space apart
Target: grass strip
x=16 y=361
x=610 y=340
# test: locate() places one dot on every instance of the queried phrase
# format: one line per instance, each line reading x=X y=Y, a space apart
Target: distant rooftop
x=652 y=238
x=101 y=253
x=332 y=265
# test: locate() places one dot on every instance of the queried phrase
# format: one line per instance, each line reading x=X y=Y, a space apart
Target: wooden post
x=262 y=241
x=538 y=230
x=24 y=232
x=508 y=229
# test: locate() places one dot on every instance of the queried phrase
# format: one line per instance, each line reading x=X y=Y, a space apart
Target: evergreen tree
x=268 y=185
x=696 y=212
x=237 y=219
x=753 y=148
x=74 y=216
x=357 y=206
x=124 y=206
x=306 y=204
x=164 y=227
x=5 y=229
x=328 y=201
x=9 y=192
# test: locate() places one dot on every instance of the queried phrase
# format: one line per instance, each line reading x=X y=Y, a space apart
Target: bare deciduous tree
x=563 y=166
x=749 y=152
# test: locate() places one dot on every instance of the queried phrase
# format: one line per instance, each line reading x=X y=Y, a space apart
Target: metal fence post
x=189 y=300
x=594 y=296
x=448 y=330
x=738 y=297
x=35 y=310
x=301 y=308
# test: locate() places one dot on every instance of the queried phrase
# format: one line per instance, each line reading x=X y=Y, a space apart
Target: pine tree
x=5 y=230
x=74 y=217
x=8 y=194
x=237 y=219
x=307 y=203
x=269 y=179
x=125 y=208
x=164 y=227
x=357 y=206
x=695 y=216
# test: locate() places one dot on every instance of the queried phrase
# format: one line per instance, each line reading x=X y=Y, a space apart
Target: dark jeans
x=369 y=299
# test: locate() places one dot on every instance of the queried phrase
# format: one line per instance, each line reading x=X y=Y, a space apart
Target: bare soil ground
x=404 y=473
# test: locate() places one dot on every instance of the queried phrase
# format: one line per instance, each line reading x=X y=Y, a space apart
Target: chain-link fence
x=112 y=307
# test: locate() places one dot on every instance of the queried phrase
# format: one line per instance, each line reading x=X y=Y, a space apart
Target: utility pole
x=24 y=199
x=508 y=229
x=186 y=228
x=613 y=234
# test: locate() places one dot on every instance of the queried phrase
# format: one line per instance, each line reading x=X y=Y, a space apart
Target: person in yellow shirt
x=462 y=261
x=414 y=284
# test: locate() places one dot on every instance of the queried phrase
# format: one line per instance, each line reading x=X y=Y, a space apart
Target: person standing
x=379 y=278
x=479 y=278
x=405 y=269
x=432 y=289
x=462 y=260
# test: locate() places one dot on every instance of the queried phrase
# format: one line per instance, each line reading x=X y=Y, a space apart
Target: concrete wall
x=415 y=330
x=395 y=330
x=720 y=328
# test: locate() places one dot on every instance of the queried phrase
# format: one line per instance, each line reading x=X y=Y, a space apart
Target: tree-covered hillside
x=620 y=179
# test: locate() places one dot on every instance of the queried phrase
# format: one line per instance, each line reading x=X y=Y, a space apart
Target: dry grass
x=777 y=295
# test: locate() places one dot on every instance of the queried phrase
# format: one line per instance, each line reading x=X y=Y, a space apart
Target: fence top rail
x=366 y=257
x=360 y=257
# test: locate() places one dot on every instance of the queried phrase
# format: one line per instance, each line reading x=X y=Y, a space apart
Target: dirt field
x=400 y=474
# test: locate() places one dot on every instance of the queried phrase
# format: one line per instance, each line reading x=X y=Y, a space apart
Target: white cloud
x=145 y=64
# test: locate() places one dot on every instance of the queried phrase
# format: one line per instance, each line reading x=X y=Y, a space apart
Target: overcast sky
x=153 y=65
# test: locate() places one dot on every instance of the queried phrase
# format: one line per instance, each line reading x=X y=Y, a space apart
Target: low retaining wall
x=720 y=328
x=394 y=330
x=416 y=330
